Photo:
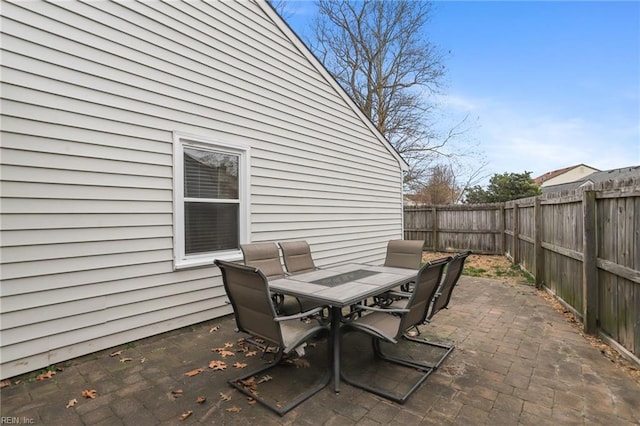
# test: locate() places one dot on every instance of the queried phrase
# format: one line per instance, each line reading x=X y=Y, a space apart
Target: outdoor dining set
x=283 y=310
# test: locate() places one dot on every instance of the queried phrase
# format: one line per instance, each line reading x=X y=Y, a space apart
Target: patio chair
x=401 y=254
x=390 y=324
x=266 y=257
x=248 y=292
x=404 y=254
x=451 y=277
x=297 y=256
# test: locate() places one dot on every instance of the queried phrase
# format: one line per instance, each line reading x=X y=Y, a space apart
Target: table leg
x=336 y=313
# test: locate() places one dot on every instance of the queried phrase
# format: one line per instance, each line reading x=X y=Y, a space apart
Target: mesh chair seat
x=297 y=256
x=389 y=325
x=404 y=254
x=248 y=291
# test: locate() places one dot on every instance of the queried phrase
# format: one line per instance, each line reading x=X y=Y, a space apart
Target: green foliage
x=472 y=271
x=503 y=187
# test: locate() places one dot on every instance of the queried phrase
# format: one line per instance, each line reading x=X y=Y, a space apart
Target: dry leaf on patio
x=234 y=409
x=214 y=328
x=251 y=353
x=224 y=353
x=126 y=359
x=5 y=383
x=194 y=372
x=185 y=415
x=201 y=399
x=301 y=363
x=177 y=393
x=217 y=365
x=228 y=345
x=240 y=365
x=265 y=378
x=225 y=396
x=117 y=353
x=142 y=361
x=72 y=402
x=249 y=385
x=251 y=401
x=47 y=375
x=91 y=394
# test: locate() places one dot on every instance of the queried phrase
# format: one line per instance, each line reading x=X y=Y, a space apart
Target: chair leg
x=400 y=399
x=448 y=349
x=279 y=409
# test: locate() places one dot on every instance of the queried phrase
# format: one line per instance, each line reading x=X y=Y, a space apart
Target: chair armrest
x=299 y=315
x=402 y=294
x=386 y=310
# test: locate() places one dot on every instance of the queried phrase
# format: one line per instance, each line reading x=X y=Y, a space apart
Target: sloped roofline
x=549 y=175
x=317 y=64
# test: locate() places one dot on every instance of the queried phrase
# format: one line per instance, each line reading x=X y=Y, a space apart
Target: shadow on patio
x=517 y=361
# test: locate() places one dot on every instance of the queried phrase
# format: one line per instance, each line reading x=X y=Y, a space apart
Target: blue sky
x=546 y=84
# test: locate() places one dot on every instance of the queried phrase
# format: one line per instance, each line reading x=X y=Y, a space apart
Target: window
x=211 y=217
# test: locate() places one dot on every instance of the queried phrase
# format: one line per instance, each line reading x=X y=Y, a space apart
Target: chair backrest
x=248 y=292
x=425 y=288
x=454 y=270
x=404 y=254
x=264 y=256
x=297 y=256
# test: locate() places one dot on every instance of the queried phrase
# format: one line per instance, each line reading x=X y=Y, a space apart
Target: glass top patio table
x=341 y=286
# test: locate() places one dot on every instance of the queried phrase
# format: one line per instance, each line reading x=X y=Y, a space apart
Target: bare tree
x=377 y=51
x=440 y=188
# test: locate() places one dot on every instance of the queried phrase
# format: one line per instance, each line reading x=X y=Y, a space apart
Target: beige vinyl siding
x=91 y=96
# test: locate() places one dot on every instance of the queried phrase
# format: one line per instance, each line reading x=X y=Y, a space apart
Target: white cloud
x=516 y=139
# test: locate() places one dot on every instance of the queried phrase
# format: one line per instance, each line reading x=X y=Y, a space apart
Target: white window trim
x=180 y=140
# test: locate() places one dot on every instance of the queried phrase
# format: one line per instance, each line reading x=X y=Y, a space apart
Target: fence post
x=538 y=250
x=501 y=242
x=434 y=220
x=516 y=231
x=589 y=268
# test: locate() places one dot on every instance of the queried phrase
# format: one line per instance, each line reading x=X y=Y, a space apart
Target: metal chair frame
x=248 y=292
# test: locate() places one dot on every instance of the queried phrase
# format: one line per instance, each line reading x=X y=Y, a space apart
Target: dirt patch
x=488 y=266
x=501 y=269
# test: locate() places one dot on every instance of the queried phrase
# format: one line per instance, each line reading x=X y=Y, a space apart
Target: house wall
x=572 y=175
x=92 y=94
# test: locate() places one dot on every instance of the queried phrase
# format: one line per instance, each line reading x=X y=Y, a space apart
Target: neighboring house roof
x=553 y=174
x=306 y=51
x=596 y=177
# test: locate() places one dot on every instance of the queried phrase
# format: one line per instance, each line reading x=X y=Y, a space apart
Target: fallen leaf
x=265 y=378
x=201 y=399
x=126 y=359
x=47 y=375
x=72 y=402
x=215 y=328
x=225 y=353
x=228 y=345
x=217 y=365
x=301 y=363
x=234 y=409
x=194 y=372
x=142 y=361
x=5 y=383
x=177 y=393
x=251 y=353
x=240 y=365
x=225 y=396
x=92 y=394
x=251 y=401
x=185 y=415
x=118 y=353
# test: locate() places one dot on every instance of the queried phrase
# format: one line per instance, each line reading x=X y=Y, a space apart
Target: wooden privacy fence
x=582 y=246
